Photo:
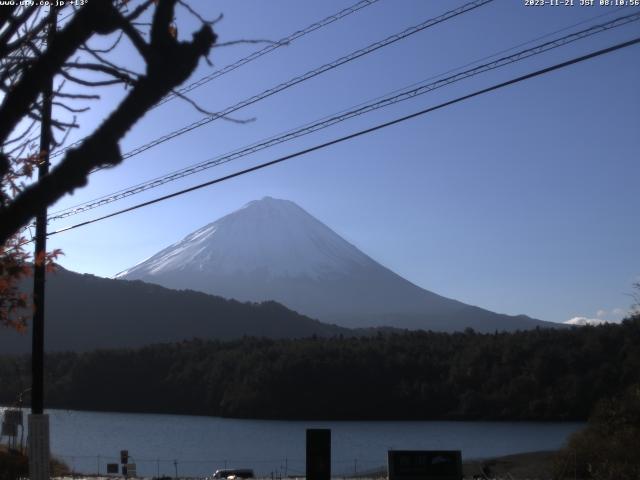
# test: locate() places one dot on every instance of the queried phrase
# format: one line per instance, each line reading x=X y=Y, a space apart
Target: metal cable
x=301 y=78
x=359 y=133
x=332 y=120
x=270 y=48
x=251 y=57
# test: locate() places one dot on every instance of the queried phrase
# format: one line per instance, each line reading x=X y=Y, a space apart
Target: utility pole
x=39 y=422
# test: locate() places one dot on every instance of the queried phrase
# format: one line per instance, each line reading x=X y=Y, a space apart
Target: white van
x=233 y=473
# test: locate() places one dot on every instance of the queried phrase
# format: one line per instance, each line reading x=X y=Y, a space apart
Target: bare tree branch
x=32 y=34
x=211 y=23
x=77 y=96
x=207 y=112
x=168 y=64
x=139 y=10
x=120 y=77
x=135 y=37
x=70 y=109
x=14 y=24
x=96 y=16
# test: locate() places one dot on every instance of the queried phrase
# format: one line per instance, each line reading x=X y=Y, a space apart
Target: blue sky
x=523 y=200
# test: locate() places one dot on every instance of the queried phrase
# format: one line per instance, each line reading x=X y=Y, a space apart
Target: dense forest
x=542 y=374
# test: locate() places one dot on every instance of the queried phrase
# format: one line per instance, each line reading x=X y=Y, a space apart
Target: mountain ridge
x=85 y=312
x=272 y=249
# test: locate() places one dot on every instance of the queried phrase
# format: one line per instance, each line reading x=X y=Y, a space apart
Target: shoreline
x=529 y=465
x=536 y=465
x=27 y=408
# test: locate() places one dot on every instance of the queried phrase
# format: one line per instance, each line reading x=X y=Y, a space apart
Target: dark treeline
x=543 y=374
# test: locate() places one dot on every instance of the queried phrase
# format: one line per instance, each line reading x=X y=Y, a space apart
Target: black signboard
x=112 y=468
x=13 y=416
x=9 y=429
x=425 y=465
x=318 y=454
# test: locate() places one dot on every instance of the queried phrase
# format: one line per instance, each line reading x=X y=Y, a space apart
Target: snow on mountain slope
x=272 y=249
x=272 y=236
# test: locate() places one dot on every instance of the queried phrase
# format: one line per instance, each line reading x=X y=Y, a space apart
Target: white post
x=38 y=441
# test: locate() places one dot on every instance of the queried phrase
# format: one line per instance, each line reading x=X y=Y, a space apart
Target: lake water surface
x=197 y=446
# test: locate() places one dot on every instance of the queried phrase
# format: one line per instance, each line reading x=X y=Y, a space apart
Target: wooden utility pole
x=38 y=422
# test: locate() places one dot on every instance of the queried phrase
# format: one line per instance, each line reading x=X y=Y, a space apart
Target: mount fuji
x=272 y=249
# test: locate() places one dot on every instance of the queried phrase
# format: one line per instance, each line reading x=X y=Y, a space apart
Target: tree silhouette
x=30 y=58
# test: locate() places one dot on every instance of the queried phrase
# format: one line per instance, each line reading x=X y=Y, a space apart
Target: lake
x=197 y=446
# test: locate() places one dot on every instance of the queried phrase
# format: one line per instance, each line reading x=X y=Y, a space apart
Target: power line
x=337 y=118
x=501 y=52
x=360 y=133
x=348 y=137
x=249 y=58
x=270 y=48
x=294 y=36
x=301 y=78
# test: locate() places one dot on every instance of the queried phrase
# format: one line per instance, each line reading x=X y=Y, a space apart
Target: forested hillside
x=85 y=313
x=540 y=374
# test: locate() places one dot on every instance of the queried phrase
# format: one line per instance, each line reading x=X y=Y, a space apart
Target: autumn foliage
x=16 y=264
x=13 y=269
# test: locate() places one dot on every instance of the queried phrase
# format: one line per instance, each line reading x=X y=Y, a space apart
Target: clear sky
x=523 y=200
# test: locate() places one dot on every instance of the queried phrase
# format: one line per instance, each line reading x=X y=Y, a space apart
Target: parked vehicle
x=233 y=473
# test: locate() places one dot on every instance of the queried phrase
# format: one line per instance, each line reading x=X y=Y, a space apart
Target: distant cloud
x=586 y=321
x=602 y=316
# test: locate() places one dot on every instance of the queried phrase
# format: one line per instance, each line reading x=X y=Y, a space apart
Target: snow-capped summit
x=272 y=249
x=274 y=237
